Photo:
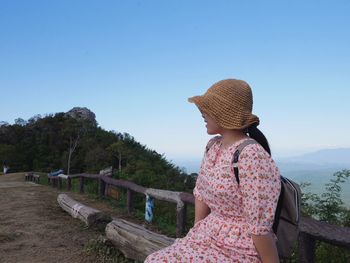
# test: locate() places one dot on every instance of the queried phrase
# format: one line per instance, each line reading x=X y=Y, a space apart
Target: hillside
x=74 y=142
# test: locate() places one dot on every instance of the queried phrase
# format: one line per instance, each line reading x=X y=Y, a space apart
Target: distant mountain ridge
x=323 y=159
x=326 y=156
x=336 y=159
x=316 y=168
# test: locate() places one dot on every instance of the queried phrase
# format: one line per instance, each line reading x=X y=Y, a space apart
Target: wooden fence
x=310 y=229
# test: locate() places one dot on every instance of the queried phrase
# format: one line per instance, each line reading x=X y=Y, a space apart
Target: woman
x=233 y=220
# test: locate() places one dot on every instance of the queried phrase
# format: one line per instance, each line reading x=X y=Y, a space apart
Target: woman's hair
x=257 y=135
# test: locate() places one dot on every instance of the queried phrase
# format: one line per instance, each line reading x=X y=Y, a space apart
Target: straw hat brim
x=217 y=111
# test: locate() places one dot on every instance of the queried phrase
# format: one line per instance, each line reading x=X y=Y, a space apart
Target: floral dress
x=237 y=211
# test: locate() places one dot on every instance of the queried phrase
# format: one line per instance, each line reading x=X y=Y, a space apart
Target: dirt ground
x=33 y=228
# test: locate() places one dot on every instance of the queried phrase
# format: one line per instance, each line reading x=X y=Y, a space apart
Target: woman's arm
x=266 y=247
x=201 y=210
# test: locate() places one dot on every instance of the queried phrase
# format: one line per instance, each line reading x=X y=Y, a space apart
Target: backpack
x=287 y=215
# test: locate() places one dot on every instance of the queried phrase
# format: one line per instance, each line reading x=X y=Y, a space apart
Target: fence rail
x=310 y=229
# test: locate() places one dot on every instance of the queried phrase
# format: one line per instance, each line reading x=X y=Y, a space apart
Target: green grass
x=103 y=251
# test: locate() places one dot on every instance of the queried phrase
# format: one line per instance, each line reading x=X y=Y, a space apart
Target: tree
x=34 y=119
x=4 y=123
x=119 y=151
x=20 y=122
x=73 y=143
x=75 y=130
x=96 y=159
x=330 y=208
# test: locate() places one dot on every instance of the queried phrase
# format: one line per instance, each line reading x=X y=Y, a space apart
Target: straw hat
x=229 y=102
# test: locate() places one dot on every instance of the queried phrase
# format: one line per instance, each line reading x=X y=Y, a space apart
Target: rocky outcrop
x=79 y=113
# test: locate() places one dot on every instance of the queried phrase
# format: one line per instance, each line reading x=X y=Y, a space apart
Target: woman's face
x=212 y=127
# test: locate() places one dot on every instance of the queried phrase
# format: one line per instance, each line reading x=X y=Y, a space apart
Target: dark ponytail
x=257 y=135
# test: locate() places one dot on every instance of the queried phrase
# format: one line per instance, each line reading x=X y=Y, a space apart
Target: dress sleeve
x=260 y=186
x=197 y=191
x=199 y=188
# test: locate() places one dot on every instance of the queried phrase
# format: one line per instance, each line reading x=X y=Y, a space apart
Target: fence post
x=69 y=183
x=60 y=183
x=102 y=187
x=54 y=182
x=306 y=248
x=180 y=218
x=82 y=184
x=130 y=200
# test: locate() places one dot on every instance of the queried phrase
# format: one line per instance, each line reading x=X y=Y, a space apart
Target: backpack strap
x=236 y=156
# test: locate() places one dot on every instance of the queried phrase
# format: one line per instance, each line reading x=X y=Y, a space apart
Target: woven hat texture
x=229 y=102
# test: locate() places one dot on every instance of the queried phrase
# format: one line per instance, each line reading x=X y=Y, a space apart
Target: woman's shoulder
x=255 y=151
x=212 y=141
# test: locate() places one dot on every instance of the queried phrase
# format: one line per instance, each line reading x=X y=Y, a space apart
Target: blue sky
x=135 y=63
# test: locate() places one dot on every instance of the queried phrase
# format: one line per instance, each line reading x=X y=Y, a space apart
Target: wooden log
x=88 y=215
x=134 y=241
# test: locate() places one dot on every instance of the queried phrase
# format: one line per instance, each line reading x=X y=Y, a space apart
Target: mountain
x=317 y=168
x=82 y=113
x=327 y=158
x=74 y=142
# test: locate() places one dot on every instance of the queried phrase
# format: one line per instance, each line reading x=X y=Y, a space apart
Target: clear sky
x=135 y=63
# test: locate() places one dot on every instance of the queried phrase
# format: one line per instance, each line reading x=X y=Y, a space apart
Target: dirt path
x=33 y=228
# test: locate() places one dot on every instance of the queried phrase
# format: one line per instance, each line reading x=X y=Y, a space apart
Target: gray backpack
x=287 y=215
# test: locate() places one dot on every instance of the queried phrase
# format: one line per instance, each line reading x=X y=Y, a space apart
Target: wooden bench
x=88 y=215
x=135 y=241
